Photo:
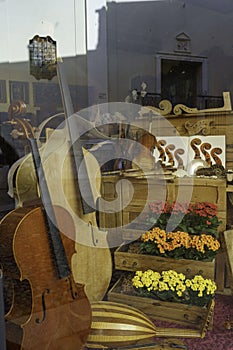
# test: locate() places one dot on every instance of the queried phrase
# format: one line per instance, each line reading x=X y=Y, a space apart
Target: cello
x=49 y=311
x=92 y=262
x=92 y=248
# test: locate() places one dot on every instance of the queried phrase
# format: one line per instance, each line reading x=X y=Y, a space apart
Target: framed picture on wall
x=19 y=91
x=2 y=91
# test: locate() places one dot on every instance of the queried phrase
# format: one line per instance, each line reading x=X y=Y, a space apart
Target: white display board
x=182 y=150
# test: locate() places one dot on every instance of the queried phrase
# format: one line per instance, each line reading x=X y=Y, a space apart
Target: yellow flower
x=137 y=283
x=163 y=286
x=173 y=281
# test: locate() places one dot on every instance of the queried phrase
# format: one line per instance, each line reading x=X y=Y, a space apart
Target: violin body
x=46 y=312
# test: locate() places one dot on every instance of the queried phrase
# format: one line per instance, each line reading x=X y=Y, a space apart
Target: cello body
x=46 y=312
x=92 y=262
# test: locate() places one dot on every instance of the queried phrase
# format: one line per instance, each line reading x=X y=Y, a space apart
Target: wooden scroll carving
x=202 y=126
x=165 y=108
x=177 y=110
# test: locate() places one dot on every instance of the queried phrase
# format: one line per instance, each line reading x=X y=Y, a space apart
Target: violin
x=48 y=309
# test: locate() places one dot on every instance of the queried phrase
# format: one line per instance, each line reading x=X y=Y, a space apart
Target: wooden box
x=132 y=262
x=178 y=313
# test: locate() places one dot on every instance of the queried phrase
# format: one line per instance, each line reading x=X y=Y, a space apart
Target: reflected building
x=176 y=48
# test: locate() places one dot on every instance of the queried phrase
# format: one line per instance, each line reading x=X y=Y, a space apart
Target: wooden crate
x=178 y=313
x=132 y=262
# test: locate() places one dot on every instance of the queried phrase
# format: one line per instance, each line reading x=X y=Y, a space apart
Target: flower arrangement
x=194 y=218
x=175 y=287
x=179 y=245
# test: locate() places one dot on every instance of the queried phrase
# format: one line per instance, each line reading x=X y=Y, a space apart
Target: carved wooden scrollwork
x=177 y=110
x=202 y=126
x=165 y=108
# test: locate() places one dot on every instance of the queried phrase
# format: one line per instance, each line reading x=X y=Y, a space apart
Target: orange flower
x=173 y=240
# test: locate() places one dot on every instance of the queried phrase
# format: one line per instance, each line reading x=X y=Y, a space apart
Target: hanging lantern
x=43 y=57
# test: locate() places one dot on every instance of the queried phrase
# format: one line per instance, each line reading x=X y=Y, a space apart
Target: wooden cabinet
x=145 y=190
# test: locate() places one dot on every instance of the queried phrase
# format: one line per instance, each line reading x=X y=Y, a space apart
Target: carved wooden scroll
x=202 y=126
x=177 y=110
x=165 y=108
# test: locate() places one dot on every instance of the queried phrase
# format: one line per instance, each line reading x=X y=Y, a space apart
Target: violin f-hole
x=74 y=293
x=94 y=240
x=46 y=291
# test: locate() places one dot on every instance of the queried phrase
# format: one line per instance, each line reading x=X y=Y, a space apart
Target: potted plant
x=172 y=286
x=179 y=244
x=194 y=218
x=156 y=248
x=167 y=295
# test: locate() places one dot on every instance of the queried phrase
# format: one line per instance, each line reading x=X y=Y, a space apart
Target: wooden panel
x=133 y=262
x=108 y=217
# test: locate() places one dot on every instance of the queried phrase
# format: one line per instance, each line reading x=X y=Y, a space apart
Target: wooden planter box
x=132 y=262
x=193 y=316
